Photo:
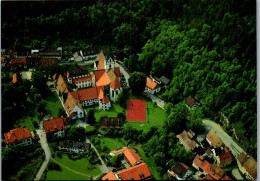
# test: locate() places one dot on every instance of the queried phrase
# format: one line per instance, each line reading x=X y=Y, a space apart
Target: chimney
x=51 y=117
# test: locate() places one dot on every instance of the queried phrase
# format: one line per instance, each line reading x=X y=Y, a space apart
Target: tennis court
x=136 y=110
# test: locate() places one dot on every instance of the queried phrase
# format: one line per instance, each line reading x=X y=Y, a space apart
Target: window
x=113 y=93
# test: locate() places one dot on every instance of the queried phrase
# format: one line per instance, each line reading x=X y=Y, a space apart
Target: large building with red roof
x=138 y=172
x=18 y=137
x=132 y=157
x=225 y=159
x=55 y=126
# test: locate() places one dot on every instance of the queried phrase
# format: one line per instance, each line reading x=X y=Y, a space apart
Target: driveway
x=156 y=99
x=103 y=166
x=227 y=140
x=80 y=123
x=45 y=146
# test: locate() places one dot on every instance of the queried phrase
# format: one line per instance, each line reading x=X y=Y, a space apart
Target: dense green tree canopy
x=137 y=82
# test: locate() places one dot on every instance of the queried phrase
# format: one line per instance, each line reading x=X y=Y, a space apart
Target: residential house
x=81 y=78
x=180 y=171
x=191 y=103
x=75 y=147
x=73 y=107
x=118 y=151
x=63 y=88
x=111 y=123
x=132 y=157
x=55 y=127
x=247 y=166
x=18 y=137
x=224 y=159
x=138 y=172
x=186 y=139
x=200 y=163
x=152 y=86
x=213 y=139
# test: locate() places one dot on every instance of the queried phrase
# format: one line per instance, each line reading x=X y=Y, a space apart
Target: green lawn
x=150 y=162
x=77 y=165
x=155 y=116
x=112 y=112
x=112 y=143
x=53 y=105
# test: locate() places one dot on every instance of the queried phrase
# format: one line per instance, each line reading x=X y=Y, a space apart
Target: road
x=45 y=146
x=156 y=99
x=103 y=166
x=227 y=140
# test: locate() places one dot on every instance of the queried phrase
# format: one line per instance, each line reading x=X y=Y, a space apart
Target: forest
x=206 y=48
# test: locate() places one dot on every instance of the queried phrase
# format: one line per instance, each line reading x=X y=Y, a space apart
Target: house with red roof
x=118 y=151
x=152 y=86
x=18 y=137
x=132 y=157
x=138 y=172
x=200 y=163
x=191 y=103
x=247 y=166
x=225 y=159
x=186 y=139
x=55 y=127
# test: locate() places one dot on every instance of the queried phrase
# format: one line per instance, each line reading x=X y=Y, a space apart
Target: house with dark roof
x=138 y=172
x=111 y=123
x=247 y=166
x=18 y=137
x=180 y=171
x=191 y=103
x=213 y=139
x=186 y=139
x=74 y=146
x=152 y=86
x=55 y=127
x=81 y=77
x=164 y=80
x=50 y=54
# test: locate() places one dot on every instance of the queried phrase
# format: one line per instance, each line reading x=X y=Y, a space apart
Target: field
x=73 y=170
x=112 y=143
x=112 y=112
x=53 y=105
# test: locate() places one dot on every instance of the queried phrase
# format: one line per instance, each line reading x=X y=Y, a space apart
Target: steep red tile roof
x=251 y=166
x=214 y=139
x=100 y=60
x=82 y=79
x=104 y=80
x=116 y=84
x=242 y=158
x=62 y=85
x=118 y=151
x=105 y=100
x=17 y=134
x=225 y=177
x=227 y=156
x=212 y=170
x=132 y=156
x=186 y=141
x=53 y=125
x=138 y=172
x=117 y=71
x=150 y=84
x=109 y=176
x=208 y=177
x=70 y=104
x=18 y=60
x=190 y=101
x=98 y=74
x=2 y=59
x=100 y=91
x=85 y=94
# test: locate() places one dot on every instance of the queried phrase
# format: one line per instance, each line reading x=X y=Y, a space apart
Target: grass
x=77 y=165
x=150 y=162
x=90 y=128
x=112 y=112
x=111 y=143
x=53 y=105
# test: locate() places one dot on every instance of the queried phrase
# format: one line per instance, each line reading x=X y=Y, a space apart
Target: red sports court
x=136 y=110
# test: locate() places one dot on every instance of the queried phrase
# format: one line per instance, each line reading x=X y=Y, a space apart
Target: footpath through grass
x=82 y=166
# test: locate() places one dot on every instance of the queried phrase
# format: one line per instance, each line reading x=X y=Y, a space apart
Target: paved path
x=45 y=146
x=227 y=140
x=80 y=123
x=103 y=166
x=156 y=99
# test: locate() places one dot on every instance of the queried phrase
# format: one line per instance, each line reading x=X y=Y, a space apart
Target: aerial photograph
x=128 y=90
